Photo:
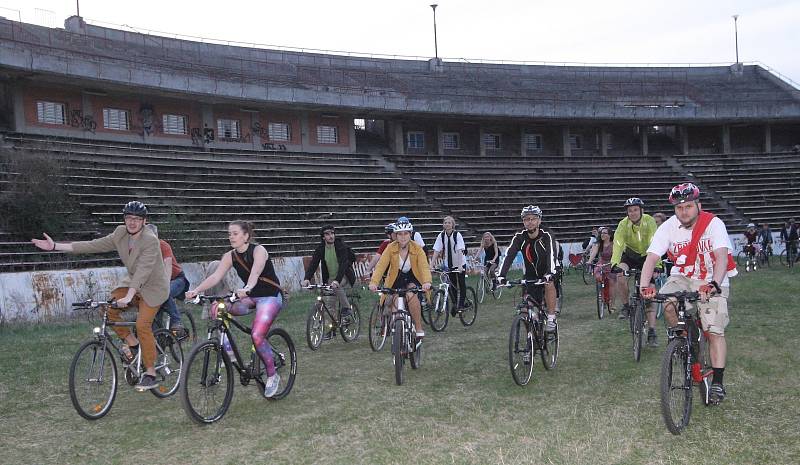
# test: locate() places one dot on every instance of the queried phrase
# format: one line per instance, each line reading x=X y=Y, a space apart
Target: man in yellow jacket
x=146 y=286
x=408 y=267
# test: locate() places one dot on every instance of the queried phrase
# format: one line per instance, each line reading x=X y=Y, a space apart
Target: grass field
x=462 y=406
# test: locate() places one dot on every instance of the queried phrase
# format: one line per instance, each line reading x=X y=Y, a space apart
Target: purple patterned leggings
x=267 y=309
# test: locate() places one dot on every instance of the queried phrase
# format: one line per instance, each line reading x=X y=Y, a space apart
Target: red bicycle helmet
x=685 y=192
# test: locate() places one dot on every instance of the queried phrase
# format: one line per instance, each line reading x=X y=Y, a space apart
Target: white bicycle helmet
x=531 y=210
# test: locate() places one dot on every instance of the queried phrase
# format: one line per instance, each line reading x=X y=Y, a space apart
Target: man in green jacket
x=146 y=286
x=631 y=240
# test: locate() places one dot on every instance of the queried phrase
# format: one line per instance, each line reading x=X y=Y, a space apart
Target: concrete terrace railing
x=376 y=84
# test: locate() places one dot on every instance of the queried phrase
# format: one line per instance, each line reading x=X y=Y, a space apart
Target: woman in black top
x=261 y=292
x=491 y=256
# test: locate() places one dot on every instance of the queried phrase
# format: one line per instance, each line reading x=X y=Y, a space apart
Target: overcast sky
x=624 y=31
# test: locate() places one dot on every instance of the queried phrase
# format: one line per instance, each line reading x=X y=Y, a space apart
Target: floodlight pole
x=78 y=6
x=736 y=35
x=435 y=41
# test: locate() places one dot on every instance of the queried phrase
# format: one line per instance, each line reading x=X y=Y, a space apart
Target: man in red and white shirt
x=698 y=244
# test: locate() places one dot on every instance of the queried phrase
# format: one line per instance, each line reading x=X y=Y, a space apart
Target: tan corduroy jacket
x=391 y=259
x=146 y=271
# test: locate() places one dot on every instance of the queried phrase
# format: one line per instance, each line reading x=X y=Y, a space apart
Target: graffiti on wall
x=79 y=120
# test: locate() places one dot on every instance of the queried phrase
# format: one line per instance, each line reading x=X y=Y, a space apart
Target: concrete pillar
x=352 y=134
x=767 y=138
x=603 y=141
x=395 y=136
x=523 y=150
x=726 y=138
x=481 y=145
x=18 y=104
x=439 y=140
x=305 y=132
x=645 y=148
x=566 y=149
x=684 y=136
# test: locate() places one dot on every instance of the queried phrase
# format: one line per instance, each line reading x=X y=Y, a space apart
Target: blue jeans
x=177 y=287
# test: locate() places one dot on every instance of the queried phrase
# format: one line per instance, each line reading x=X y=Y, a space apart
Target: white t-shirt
x=672 y=238
x=456 y=243
x=418 y=239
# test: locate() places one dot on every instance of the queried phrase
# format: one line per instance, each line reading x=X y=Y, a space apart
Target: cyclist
x=765 y=237
x=789 y=236
x=390 y=237
x=405 y=265
x=146 y=286
x=335 y=259
x=261 y=291
x=699 y=246
x=659 y=218
x=751 y=242
x=491 y=256
x=540 y=256
x=603 y=250
x=590 y=241
x=450 y=245
x=178 y=284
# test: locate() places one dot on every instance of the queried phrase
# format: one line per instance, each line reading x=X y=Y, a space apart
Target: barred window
x=416 y=140
x=575 y=141
x=279 y=132
x=175 y=124
x=327 y=135
x=116 y=119
x=533 y=142
x=491 y=141
x=451 y=140
x=229 y=129
x=50 y=113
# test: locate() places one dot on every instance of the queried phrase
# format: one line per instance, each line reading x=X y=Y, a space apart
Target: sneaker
x=271 y=386
x=328 y=335
x=147 y=382
x=623 y=314
x=420 y=337
x=550 y=326
x=179 y=331
x=347 y=313
x=454 y=310
x=716 y=394
x=652 y=339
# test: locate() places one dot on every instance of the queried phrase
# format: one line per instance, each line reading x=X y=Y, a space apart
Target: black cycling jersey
x=540 y=254
x=261 y=289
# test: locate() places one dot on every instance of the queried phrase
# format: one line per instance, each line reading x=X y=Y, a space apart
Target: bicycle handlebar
x=324 y=287
x=523 y=282
x=690 y=296
x=394 y=291
x=210 y=298
x=91 y=303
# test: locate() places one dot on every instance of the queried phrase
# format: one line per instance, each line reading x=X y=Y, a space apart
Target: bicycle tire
x=205 y=369
x=741 y=258
x=397 y=351
x=315 y=326
x=704 y=357
x=169 y=363
x=425 y=309
x=470 y=313
x=191 y=328
x=601 y=303
x=763 y=259
x=352 y=328
x=106 y=391
x=638 y=330
x=549 y=349
x=520 y=350
x=283 y=348
x=482 y=288
x=586 y=274
x=440 y=313
x=378 y=327
x=497 y=292
x=676 y=385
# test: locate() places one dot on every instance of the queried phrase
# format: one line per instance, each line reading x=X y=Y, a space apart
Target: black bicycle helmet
x=135 y=208
x=634 y=201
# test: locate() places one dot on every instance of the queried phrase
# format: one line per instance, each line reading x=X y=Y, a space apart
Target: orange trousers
x=144 y=325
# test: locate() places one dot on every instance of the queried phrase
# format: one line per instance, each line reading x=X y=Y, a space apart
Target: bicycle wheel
x=586 y=274
x=425 y=309
x=284 y=358
x=741 y=258
x=169 y=362
x=676 y=386
x=549 y=349
x=378 y=327
x=638 y=329
x=190 y=326
x=315 y=326
x=398 y=349
x=351 y=327
x=763 y=259
x=93 y=380
x=601 y=303
x=440 y=313
x=483 y=288
x=470 y=312
x=206 y=383
x=497 y=292
x=520 y=350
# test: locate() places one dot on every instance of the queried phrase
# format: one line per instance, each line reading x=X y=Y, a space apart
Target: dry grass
x=597 y=407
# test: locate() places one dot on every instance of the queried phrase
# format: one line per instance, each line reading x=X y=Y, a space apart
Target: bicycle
x=487 y=285
x=686 y=362
x=163 y=320
x=527 y=336
x=789 y=255
x=636 y=317
x=603 y=289
x=93 y=371
x=323 y=322
x=444 y=301
x=207 y=379
x=748 y=257
x=763 y=255
x=405 y=344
